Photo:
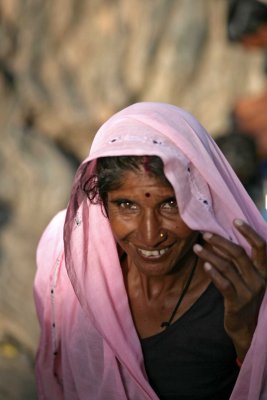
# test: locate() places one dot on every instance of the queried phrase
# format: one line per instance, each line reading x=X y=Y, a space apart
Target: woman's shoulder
x=50 y=249
x=55 y=226
x=51 y=240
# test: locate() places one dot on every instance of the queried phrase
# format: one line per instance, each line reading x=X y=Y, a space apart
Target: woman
x=155 y=292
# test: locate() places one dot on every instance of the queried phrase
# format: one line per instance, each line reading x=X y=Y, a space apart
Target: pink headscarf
x=209 y=197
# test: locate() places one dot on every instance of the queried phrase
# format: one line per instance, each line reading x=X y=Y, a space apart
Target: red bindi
x=147 y=194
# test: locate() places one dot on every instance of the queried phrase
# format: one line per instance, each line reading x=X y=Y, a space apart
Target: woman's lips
x=153 y=254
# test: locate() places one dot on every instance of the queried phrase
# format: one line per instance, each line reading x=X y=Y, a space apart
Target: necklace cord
x=166 y=324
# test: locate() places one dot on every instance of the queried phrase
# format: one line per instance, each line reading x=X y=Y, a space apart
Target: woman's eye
x=126 y=205
x=170 y=205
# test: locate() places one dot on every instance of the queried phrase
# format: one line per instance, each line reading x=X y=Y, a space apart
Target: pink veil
x=209 y=197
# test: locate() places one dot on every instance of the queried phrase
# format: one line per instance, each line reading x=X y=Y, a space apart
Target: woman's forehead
x=143 y=180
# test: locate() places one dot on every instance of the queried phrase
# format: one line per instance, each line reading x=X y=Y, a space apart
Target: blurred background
x=65 y=67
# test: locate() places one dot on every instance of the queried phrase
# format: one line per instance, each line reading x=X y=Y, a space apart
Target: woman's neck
x=155 y=287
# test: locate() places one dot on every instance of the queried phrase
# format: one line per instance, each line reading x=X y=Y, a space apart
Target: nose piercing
x=161 y=235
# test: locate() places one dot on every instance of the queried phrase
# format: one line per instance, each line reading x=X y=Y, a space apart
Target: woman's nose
x=149 y=229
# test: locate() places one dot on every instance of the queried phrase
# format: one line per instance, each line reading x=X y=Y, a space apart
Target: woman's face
x=139 y=211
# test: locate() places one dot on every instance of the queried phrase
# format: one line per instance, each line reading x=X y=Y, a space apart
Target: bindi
x=147 y=194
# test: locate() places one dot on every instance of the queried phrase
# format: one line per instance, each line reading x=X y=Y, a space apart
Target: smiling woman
x=154 y=290
x=138 y=223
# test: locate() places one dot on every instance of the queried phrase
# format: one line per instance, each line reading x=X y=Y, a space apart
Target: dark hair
x=244 y=17
x=241 y=152
x=110 y=172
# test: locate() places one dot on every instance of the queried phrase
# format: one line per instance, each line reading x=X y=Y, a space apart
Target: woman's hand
x=240 y=279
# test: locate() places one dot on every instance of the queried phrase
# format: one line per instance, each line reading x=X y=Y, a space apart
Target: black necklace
x=166 y=324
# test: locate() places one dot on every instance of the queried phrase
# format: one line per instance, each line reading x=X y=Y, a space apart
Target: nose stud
x=161 y=234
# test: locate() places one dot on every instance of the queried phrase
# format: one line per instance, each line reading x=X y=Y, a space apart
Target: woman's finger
x=228 y=272
x=222 y=283
x=235 y=256
x=258 y=246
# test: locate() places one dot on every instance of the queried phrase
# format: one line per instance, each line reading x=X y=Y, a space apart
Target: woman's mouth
x=153 y=254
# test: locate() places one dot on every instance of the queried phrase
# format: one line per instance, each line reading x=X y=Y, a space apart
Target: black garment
x=193 y=359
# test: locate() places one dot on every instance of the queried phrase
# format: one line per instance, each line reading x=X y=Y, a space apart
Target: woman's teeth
x=153 y=253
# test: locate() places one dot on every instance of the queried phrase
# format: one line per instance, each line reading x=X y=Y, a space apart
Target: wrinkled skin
x=240 y=279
